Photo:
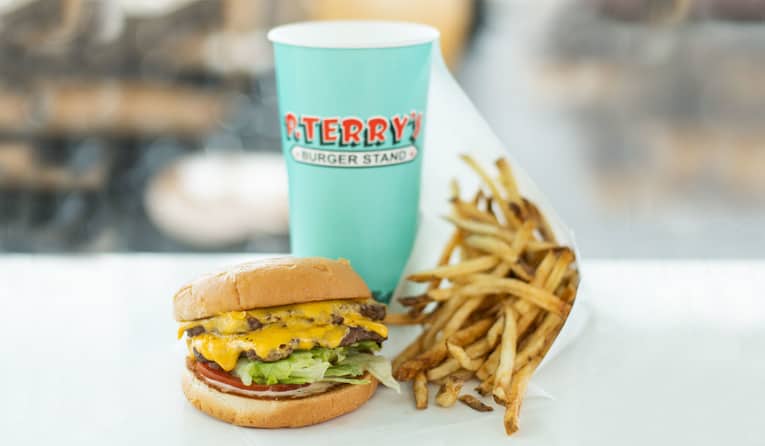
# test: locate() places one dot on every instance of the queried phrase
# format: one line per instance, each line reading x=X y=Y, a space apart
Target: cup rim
x=353 y=34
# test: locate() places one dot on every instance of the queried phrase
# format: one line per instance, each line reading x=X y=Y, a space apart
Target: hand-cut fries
x=504 y=370
x=465 y=361
x=445 y=272
x=402 y=319
x=489 y=366
x=497 y=300
x=510 y=218
x=475 y=404
x=407 y=368
x=449 y=391
x=421 y=391
x=488 y=284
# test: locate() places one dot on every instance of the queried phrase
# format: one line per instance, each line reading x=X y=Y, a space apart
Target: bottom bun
x=253 y=412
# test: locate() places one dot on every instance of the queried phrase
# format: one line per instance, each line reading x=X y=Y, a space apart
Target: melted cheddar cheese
x=319 y=313
x=296 y=327
x=226 y=349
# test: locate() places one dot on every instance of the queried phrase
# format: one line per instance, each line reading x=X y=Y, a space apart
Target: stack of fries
x=495 y=303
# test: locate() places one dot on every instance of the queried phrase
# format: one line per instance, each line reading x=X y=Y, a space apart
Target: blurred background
x=151 y=125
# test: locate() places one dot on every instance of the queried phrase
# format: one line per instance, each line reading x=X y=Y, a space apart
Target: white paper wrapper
x=454 y=126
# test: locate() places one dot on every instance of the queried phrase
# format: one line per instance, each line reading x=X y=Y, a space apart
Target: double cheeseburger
x=284 y=342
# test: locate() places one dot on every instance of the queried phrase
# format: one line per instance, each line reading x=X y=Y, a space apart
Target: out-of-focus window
x=151 y=125
x=641 y=119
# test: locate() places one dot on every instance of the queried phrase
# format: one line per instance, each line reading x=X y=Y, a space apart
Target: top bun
x=268 y=283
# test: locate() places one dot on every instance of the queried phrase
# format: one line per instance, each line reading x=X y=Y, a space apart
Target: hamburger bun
x=268 y=283
x=265 y=413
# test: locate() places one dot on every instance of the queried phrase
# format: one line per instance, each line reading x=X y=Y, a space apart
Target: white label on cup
x=338 y=158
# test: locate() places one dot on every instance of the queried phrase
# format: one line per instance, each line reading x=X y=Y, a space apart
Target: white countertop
x=673 y=353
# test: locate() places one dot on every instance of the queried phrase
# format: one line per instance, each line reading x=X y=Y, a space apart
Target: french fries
x=504 y=208
x=496 y=300
x=513 y=403
x=475 y=404
x=451 y=365
x=420 y=391
x=504 y=371
x=411 y=366
x=487 y=284
x=486 y=385
x=449 y=392
x=402 y=319
x=465 y=361
x=489 y=366
x=445 y=272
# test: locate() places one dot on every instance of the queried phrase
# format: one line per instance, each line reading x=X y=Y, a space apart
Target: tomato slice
x=227 y=378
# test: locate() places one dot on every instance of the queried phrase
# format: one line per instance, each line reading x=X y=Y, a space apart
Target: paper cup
x=353 y=101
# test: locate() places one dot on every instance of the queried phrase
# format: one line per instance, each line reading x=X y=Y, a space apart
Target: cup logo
x=351 y=141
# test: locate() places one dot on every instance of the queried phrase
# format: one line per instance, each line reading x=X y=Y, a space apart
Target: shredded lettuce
x=380 y=368
x=298 y=368
x=342 y=364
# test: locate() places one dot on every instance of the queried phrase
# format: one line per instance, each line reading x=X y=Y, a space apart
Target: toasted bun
x=252 y=412
x=268 y=283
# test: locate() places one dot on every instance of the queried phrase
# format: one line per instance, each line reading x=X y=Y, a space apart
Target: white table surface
x=673 y=353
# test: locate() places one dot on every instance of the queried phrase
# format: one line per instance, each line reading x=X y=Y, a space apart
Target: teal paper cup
x=353 y=106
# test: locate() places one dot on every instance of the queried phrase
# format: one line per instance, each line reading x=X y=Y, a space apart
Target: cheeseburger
x=282 y=342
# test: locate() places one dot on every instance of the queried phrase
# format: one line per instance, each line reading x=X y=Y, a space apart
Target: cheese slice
x=226 y=349
x=319 y=313
x=299 y=327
